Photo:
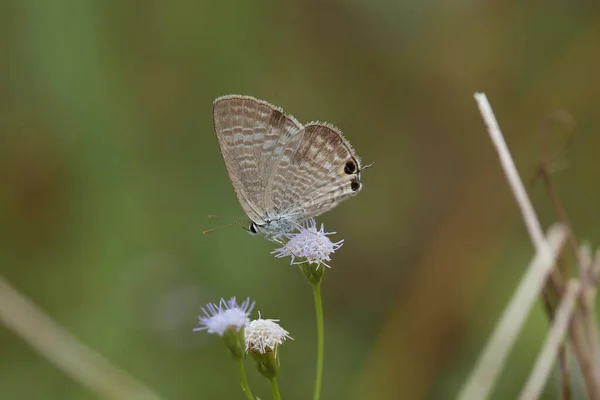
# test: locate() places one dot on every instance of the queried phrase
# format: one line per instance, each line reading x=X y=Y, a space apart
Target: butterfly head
x=272 y=227
x=254 y=229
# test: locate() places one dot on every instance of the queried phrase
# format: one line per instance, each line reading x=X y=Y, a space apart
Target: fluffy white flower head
x=309 y=244
x=264 y=335
x=218 y=318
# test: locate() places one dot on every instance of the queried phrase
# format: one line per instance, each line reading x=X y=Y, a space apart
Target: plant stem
x=320 y=339
x=243 y=380
x=275 y=388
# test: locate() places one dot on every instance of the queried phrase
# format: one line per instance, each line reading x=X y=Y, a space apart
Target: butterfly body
x=283 y=172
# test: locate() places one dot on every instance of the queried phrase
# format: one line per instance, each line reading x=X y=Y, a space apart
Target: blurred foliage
x=109 y=167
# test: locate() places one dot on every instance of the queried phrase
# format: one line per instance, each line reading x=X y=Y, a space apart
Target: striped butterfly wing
x=315 y=174
x=253 y=135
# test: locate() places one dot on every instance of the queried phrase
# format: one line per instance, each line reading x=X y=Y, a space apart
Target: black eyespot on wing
x=355 y=186
x=350 y=167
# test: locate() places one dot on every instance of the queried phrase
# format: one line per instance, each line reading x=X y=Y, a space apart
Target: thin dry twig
x=502 y=339
x=587 y=363
x=545 y=360
x=555 y=288
x=564 y=375
x=584 y=321
x=531 y=221
x=588 y=297
x=552 y=292
x=560 y=210
x=546 y=169
x=491 y=361
x=65 y=351
x=583 y=329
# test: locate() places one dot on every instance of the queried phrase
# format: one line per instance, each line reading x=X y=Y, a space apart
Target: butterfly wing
x=318 y=170
x=252 y=135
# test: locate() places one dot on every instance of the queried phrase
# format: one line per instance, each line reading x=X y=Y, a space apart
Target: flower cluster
x=218 y=318
x=264 y=335
x=309 y=248
x=309 y=244
x=261 y=337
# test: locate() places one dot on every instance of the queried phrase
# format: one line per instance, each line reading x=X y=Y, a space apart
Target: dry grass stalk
x=581 y=322
x=548 y=354
x=65 y=351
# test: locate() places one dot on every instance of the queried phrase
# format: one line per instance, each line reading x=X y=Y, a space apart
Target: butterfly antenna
x=212 y=216
x=221 y=227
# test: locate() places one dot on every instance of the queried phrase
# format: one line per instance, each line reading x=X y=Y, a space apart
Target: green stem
x=275 y=388
x=243 y=380
x=320 y=339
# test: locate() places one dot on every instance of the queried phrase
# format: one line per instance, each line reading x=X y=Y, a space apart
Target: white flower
x=310 y=244
x=264 y=335
x=219 y=317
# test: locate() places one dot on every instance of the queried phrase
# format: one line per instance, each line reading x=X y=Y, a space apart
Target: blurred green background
x=109 y=168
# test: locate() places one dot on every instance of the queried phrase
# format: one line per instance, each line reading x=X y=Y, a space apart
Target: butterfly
x=283 y=172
